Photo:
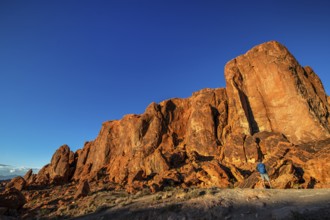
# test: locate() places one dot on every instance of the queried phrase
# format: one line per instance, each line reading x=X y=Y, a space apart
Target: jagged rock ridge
x=272 y=108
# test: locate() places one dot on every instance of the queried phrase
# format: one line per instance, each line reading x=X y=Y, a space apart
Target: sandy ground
x=222 y=204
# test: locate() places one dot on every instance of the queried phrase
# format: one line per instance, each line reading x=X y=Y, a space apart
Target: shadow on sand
x=221 y=210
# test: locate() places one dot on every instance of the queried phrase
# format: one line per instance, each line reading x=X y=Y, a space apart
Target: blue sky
x=68 y=66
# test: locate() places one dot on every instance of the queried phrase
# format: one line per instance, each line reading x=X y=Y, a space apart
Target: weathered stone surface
x=317 y=169
x=12 y=198
x=18 y=183
x=269 y=91
x=203 y=124
x=161 y=139
x=214 y=137
x=234 y=150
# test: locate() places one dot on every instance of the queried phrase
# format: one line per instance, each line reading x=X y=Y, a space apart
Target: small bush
x=158 y=197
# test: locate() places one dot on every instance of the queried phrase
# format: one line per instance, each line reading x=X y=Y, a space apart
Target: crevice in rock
x=260 y=154
x=144 y=128
x=243 y=145
x=215 y=114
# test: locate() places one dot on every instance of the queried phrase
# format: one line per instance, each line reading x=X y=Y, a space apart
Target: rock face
x=161 y=141
x=269 y=91
x=271 y=109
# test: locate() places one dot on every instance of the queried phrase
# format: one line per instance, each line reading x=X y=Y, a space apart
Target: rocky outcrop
x=18 y=183
x=59 y=171
x=164 y=138
x=269 y=91
x=29 y=177
x=269 y=110
x=314 y=161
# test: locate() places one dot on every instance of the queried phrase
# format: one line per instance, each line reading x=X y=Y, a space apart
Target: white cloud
x=16 y=171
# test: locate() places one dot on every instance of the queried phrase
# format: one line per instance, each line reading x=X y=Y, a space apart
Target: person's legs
x=263 y=180
x=266 y=177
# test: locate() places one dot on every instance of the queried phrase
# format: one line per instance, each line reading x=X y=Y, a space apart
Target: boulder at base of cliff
x=12 y=198
x=82 y=190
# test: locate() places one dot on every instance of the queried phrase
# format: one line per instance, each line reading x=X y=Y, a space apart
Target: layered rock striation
x=271 y=109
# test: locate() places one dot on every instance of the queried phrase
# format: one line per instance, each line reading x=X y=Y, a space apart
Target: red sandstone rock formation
x=18 y=183
x=214 y=138
x=269 y=91
x=60 y=169
x=29 y=177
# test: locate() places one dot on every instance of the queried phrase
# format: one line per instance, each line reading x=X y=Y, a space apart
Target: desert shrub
x=194 y=193
x=44 y=211
x=212 y=190
x=169 y=188
x=141 y=193
x=158 y=197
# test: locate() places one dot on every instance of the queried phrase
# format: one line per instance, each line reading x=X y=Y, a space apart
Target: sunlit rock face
x=271 y=109
x=269 y=91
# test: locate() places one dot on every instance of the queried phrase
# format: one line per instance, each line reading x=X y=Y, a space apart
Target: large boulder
x=59 y=171
x=82 y=190
x=12 y=198
x=60 y=164
x=17 y=182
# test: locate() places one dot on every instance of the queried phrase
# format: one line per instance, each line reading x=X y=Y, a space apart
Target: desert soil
x=217 y=203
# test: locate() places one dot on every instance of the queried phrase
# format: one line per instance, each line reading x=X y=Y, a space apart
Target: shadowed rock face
x=12 y=198
x=215 y=137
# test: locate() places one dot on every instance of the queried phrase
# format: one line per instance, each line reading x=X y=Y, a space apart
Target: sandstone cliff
x=269 y=91
x=271 y=108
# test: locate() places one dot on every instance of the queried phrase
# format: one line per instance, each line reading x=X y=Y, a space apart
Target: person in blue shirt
x=263 y=173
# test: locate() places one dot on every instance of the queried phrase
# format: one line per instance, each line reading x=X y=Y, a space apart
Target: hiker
x=263 y=173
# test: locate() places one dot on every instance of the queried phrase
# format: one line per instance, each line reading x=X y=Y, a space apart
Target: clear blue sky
x=68 y=66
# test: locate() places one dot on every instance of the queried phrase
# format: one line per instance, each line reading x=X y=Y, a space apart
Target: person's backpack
x=261 y=168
